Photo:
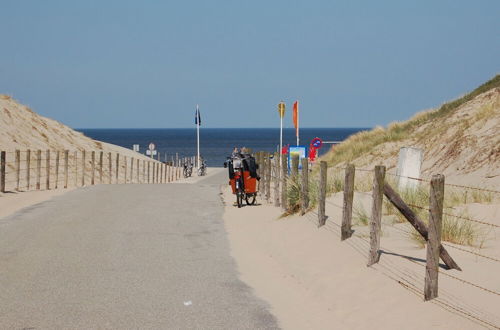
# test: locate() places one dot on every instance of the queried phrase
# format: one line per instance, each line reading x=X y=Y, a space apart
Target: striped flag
x=296 y=117
x=197 y=116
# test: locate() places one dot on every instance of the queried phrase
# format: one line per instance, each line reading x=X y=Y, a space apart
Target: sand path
x=125 y=257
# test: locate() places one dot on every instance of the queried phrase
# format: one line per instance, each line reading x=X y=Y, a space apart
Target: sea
x=216 y=144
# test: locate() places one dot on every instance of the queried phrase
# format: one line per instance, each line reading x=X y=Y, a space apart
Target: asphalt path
x=125 y=257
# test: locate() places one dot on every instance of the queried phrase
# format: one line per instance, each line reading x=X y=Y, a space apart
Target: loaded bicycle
x=243 y=177
x=188 y=169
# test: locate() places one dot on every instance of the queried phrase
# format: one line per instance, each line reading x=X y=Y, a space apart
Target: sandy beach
x=314 y=281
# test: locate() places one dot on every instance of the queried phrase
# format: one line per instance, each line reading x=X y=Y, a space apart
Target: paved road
x=125 y=257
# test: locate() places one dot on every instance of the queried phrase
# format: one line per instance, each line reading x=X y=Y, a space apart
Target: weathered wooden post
x=346 y=231
x=3 y=163
x=92 y=165
x=110 y=167
x=153 y=170
x=268 y=177
x=66 y=168
x=47 y=170
x=149 y=164
x=38 y=168
x=132 y=170
x=143 y=171
x=57 y=169
x=125 y=169
x=100 y=166
x=434 y=241
x=76 y=168
x=323 y=169
x=83 y=167
x=117 y=168
x=295 y=166
x=376 y=217
x=284 y=178
x=18 y=168
x=276 y=169
x=304 y=187
x=262 y=173
x=28 y=168
x=137 y=174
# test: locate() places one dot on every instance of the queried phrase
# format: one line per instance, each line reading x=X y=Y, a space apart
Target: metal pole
x=198 y=140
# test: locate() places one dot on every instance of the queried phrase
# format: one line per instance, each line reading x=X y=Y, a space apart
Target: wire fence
x=445 y=300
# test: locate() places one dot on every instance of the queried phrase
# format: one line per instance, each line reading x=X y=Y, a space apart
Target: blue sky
x=141 y=64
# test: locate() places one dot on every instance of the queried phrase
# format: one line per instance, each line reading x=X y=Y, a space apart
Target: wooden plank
x=83 y=168
x=28 y=168
x=57 y=169
x=434 y=241
x=284 y=178
x=149 y=164
x=38 y=168
x=276 y=170
x=346 y=230
x=137 y=174
x=323 y=169
x=295 y=166
x=101 y=164
x=3 y=165
x=417 y=223
x=18 y=169
x=66 y=168
x=376 y=216
x=304 y=187
x=47 y=170
x=92 y=167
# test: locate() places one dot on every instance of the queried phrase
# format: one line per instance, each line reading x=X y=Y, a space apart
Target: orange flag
x=296 y=117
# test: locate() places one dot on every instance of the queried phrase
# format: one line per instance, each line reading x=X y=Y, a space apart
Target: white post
x=198 y=139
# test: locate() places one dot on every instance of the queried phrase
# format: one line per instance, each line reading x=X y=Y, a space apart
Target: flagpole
x=298 y=121
x=198 y=135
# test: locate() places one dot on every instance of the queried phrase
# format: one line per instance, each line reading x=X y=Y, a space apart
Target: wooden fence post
x=38 y=168
x=125 y=169
x=28 y=168
x=304 y=187
x=138 y=164
x=376 y=217
x=434 y=241
x=76 y=168
x=262 y=173
x=3 y=162
x=101 y=158
x=149 y=164
x=117 y=167
x=83 y=167
x=66 y=168
x=284 y=178
x=346 y=231
x=143 y=171
x=295 y=166
x=47 y=170
x=92 y=177
x=323 y=169
x=57 y=169
x=276 y=168
x=110 y=167
x=18 y=168
x=268 y=177
x=132 y=170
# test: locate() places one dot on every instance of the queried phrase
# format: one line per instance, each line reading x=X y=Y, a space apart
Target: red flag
x=296 y=117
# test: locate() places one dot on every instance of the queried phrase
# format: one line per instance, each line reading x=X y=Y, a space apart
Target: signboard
x=301 y=151
x=135 y=147
x=151 y=152
x=317 y=143
x=152 y=146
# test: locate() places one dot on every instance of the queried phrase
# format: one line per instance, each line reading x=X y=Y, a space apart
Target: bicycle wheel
x=239 y=193
x=250 y=199
x=185 y=172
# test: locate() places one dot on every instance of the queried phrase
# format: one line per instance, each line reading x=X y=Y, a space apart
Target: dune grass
x=364 y=142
